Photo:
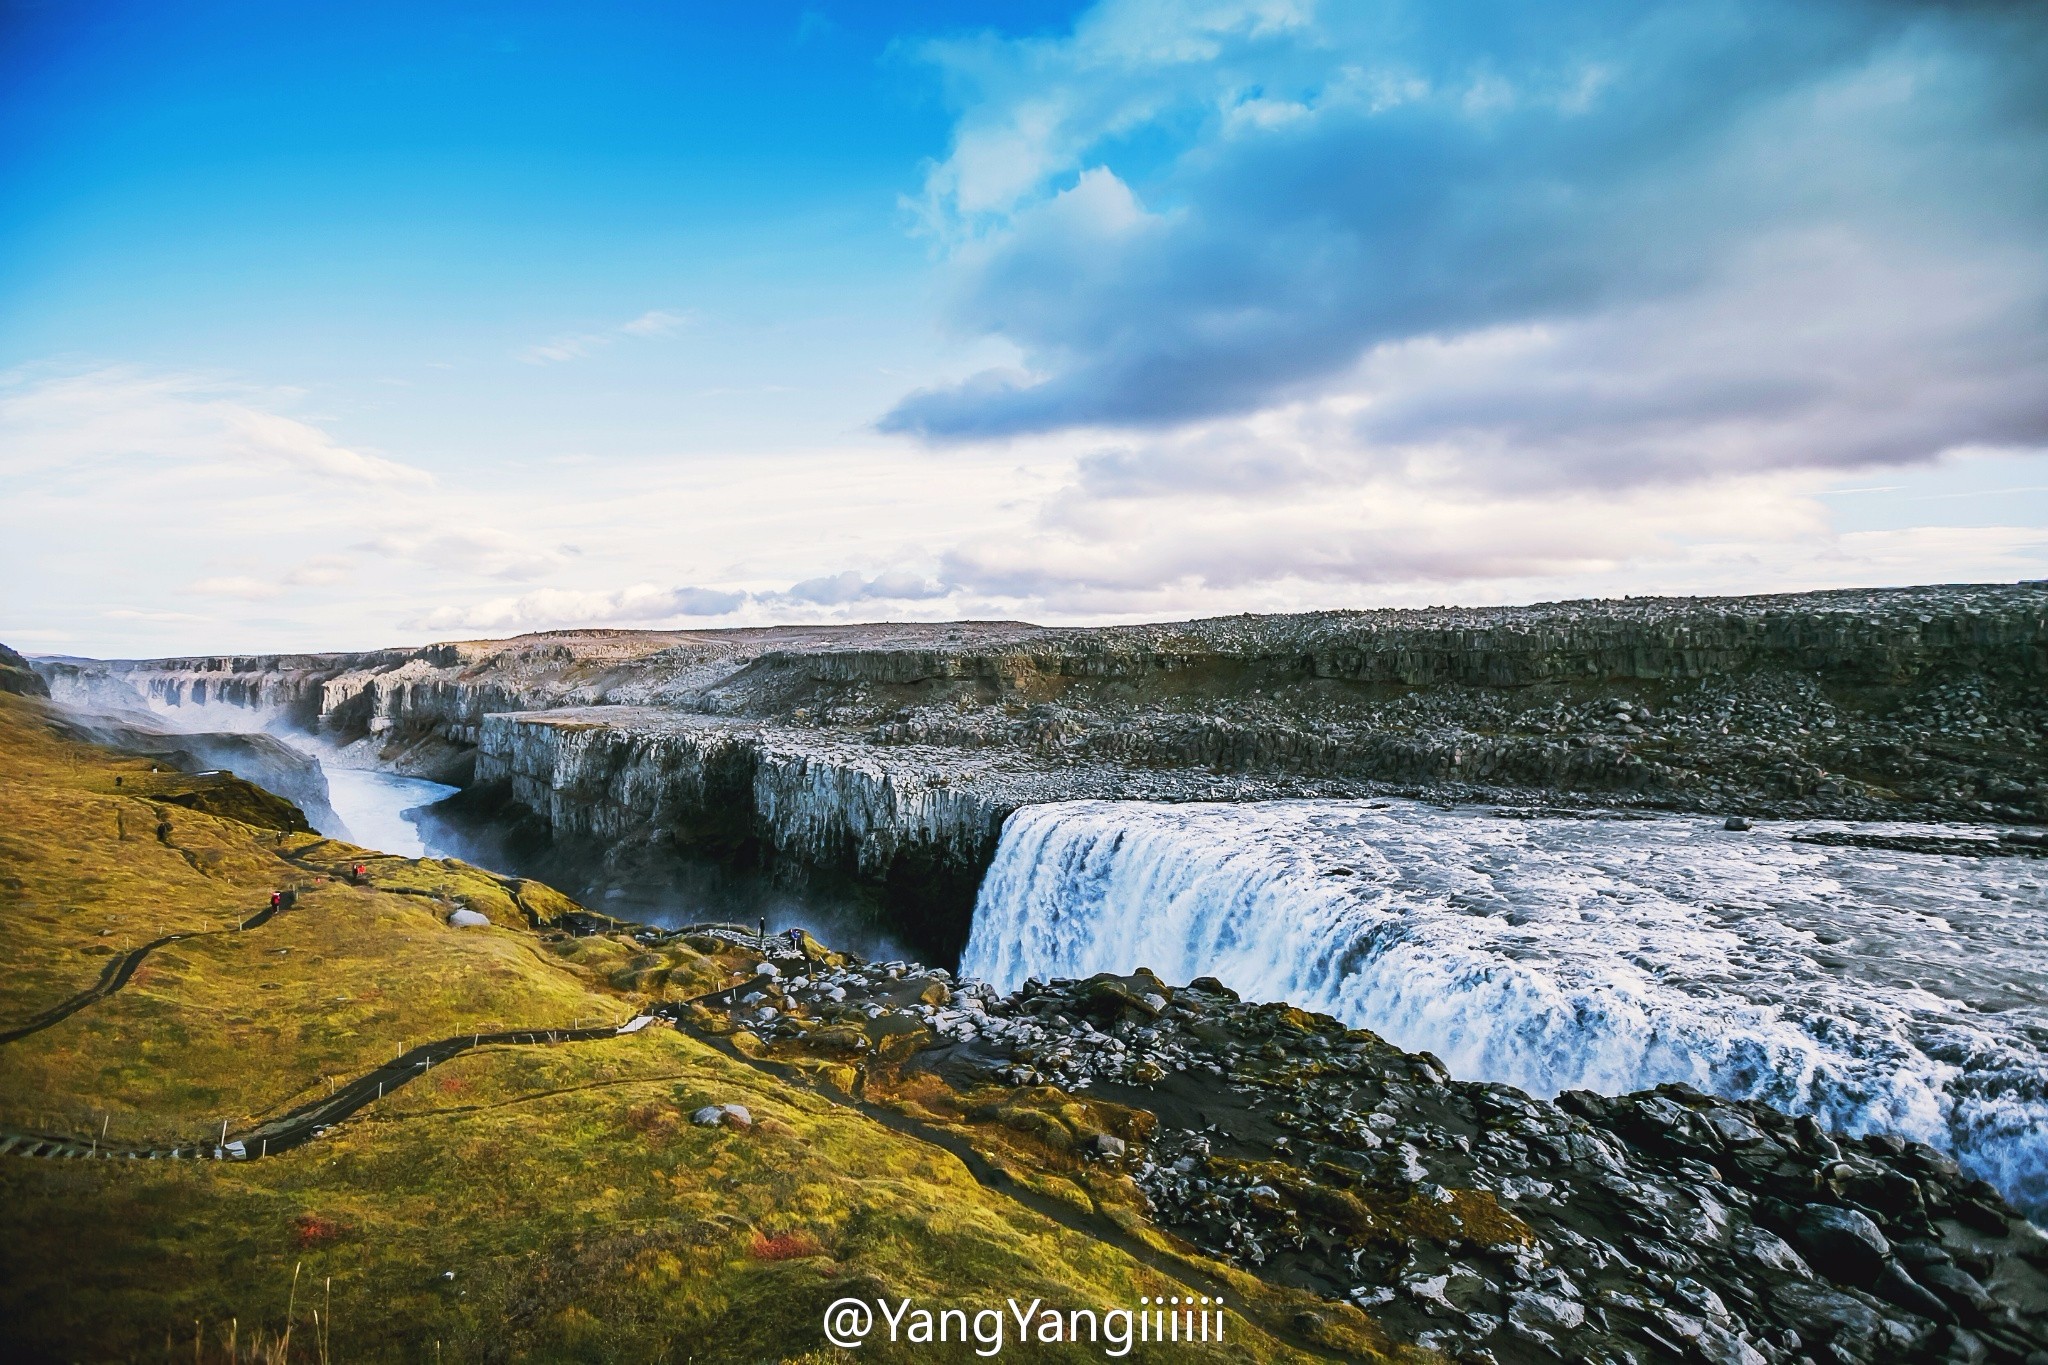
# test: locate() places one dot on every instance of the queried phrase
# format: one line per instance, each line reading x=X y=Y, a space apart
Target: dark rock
x=1931 y=1164
x=1714 y=1344
x=1916 y=1252
x=1587 y=1105
x=1821 y=1313
x=1544 y=1313
x=1896 y=1286
x=1876 y=1186
x=1965 y=1348
x=1842 y=1244
x=1773 y=1253
x=1987 y=1216
x=1732 y=1128
x=1853 y=1329
x=1957 y=1287
x=1814 y=1139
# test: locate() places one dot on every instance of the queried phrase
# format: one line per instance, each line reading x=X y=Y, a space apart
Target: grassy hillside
x=552 y=1202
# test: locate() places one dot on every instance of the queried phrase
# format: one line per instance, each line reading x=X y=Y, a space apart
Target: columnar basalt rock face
x=732 y=787
x=879 y=749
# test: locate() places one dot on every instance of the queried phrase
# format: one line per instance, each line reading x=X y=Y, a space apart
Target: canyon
x=887 y=757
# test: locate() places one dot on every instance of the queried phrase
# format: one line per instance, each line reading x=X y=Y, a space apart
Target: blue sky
x=334 y=325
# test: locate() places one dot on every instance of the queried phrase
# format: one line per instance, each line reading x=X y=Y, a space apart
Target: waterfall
x=1890 y=991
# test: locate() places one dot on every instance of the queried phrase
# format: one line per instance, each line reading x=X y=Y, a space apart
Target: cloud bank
x=649 y=604
x=1566 y=246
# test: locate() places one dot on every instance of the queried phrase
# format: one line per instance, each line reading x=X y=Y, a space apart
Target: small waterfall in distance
x=1876 y=990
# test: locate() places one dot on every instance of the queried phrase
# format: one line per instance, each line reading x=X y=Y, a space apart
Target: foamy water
x=372 y=807
x=1877 y=990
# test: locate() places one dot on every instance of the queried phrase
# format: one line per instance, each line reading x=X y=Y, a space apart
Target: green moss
x=233 y=799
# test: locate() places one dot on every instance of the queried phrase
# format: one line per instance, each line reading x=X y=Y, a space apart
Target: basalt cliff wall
x=895 y=820
x=892 y=753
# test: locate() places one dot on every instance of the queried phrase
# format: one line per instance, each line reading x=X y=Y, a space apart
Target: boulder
x=726 y=1115
x=1107 y=1145
x=1842 y=1244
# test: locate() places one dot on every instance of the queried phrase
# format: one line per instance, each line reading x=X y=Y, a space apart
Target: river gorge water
x=1879 y=990
x=373 y=808
x=394 y=814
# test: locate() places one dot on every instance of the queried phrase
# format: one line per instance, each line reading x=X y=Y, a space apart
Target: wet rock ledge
x=1470 y=1219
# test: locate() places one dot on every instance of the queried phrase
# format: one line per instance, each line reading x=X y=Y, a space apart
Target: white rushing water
x=1878 y=990
x=372 y=807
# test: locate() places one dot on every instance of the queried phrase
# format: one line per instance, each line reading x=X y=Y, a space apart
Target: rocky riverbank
x=1470 y=1219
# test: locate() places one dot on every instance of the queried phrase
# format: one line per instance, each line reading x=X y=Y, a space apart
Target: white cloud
x=320 y=571
x=569 y=346
x=161 y=617
x=479 y=550
x=642 y=604
x=1388 y=540
x=653 y=323
x=850 y=586
x=125 y=425
x=656 y=322
x=649 y=604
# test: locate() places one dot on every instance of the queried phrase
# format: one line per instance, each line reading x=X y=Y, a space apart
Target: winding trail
x=309 y=1121
x=1174 y=1265
x=118 y=971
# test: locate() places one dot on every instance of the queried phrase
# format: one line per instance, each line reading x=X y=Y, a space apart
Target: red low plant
x=311 y=1230
x=784 y=1246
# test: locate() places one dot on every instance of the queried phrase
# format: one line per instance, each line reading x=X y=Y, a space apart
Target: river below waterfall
x=1877 y=989
x=373 y=808
x=395 y=814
